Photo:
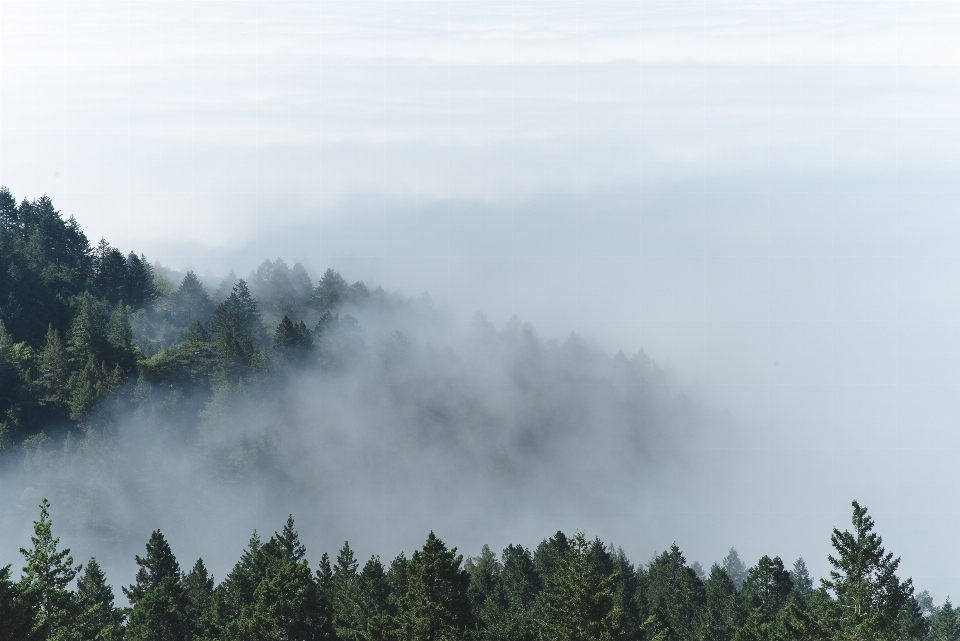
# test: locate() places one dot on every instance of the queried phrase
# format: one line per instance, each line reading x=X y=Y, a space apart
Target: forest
x=106 y=358
x=569 y=588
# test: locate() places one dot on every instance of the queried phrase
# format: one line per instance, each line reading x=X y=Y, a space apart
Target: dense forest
x=128 y=394
x=569 y=588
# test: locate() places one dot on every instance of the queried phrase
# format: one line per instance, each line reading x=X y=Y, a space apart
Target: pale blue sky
x=728 y=185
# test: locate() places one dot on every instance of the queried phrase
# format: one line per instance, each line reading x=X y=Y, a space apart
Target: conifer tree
x=198 y=586
x=576 y=600
x=724 y=614
x=735 y=568
x=88 y=333
x=767 y=587
x=97 y=619
x=158 y=599
x=15 y=613
x=54 y=369
x=674 y=594
x=946 y=625
x=869 y=596
x=47 y=576
x=800 y=576
x=436 y=606
x=346 y=596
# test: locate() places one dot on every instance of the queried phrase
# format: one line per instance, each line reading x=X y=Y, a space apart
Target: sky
x=761 y=195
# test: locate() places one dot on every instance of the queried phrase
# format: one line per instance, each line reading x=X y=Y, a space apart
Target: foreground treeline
x=567 y=589
x=80 y=324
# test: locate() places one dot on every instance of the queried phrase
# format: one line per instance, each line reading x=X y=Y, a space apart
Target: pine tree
x=675 y=595
x=870 y=598
x=767 y=587
x=373 y=591
x=576 y=600
x=88 y=333
x=800 y=576
x=158 y=599
x=54 y=369
x=285 y=601
x=47 y=575
x=98 y=619
x=346 y=596
x=15 y=613
x=325 y=630
x=331 y=292
x=141 y=288
x=198 y=586
x=190 y=302
x=724 y=614
x=436 y=606
x=946 y=625
x=735 y=568
x=121 y=339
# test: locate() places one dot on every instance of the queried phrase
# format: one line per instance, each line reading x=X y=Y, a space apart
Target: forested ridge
x=126 y=395
x=568 y=588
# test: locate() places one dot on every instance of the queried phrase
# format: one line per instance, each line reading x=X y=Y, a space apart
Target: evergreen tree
x=98 y=619
x=198 y=586
x=158 y=599
x=374 y=593
x=767 y=587
x=331 y=292
x=946 y=625
x=190 y=302
x=800 y=576
x=9 y=216
x=47 y=575
x=674 y=594
x=549 y=554
x=110 y=274
x=576 y=600
x=285 y=601
x=325 y=630
x=870 y=598
x=484 y=572
x=121 y=339
x=15 y=613
x=436 y=606
x=141 y=287
x=54 y=369
x=347 y=610
x=88 y=333
x=724 y=614
x=735 y=568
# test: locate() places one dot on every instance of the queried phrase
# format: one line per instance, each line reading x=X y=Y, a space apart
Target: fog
x=760 y=197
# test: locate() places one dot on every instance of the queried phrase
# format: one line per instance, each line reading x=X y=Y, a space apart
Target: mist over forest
x=140 y=404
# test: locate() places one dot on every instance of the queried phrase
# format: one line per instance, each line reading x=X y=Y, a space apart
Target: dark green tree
x=347 y=612
x=158 y=599
x=869 y=596
x=436 y=606
x=141 y=287
x=198 y=586
x=45 y=585
x=98 y=619
x=724 y=612
x=576 y=601
x=15 y=613
x=946 y=625
x=767 y=587
x=674 y=595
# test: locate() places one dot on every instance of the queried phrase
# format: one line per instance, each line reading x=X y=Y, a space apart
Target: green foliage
x=767 y=587
x=577 y=601
x=15 y=612
x=870 y=598
x=436 y=606
x=47 y=575
x=158 y=598
x=97 y=617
